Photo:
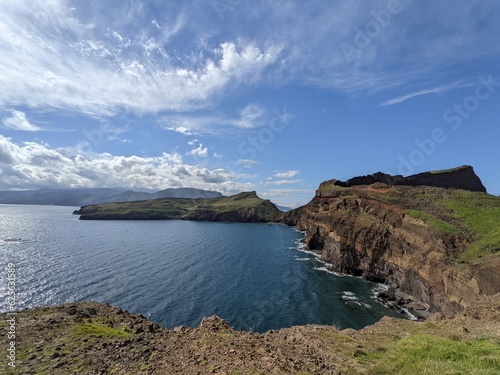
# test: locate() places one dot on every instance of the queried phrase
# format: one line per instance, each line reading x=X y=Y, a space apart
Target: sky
x=233 y=95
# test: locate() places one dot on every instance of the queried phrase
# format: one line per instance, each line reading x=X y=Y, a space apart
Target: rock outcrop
x=404 y=236
x=457 y=178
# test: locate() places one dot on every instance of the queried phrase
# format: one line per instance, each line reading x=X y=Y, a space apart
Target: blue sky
x=234 y=95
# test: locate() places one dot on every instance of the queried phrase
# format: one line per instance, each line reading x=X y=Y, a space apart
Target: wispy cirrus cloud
x=62 y=55
x=18 y=121
x=403 y=48
x=281 y=182
x=287 y=174
x=53 y=59
x=246 y=163
x=435 y=90
x=250 y=116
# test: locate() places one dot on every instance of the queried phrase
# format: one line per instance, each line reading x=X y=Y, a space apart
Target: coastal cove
x=176 y=272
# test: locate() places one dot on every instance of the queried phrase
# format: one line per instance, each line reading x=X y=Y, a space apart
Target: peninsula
x=242 y=207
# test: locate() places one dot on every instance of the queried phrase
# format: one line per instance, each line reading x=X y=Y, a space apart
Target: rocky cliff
x=437 y=248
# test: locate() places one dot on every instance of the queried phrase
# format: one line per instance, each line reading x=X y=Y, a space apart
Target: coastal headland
x=434 y=238
x=242 y=207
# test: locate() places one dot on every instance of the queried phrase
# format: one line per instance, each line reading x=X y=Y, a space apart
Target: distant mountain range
x=86 y=196
x=283 y=208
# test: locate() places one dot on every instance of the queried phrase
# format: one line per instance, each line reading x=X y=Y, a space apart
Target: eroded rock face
x=363 y=237
x=487 y=274
x=359 y=234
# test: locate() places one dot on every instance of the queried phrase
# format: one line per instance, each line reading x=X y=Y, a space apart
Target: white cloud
x=54 y=56
x=434 y=90
x=281 y=182
x=117 y=36
x=251 y=116
x=421 y=42
x=19 y=121
x=156 y=24
x=246 y=163
x=287 y=174
x=35 y=165
x=217 y=156
x=52 y=59
x=199 y=151
x=181 y=129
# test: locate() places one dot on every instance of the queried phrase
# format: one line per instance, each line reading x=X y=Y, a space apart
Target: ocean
x=255 y=276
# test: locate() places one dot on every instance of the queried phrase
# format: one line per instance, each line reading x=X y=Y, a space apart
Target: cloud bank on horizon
x=234 y=95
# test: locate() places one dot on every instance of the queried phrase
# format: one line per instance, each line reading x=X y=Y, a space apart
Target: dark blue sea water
x=177 y=272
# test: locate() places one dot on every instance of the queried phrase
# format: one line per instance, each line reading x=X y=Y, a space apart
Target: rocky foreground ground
x=94 y=338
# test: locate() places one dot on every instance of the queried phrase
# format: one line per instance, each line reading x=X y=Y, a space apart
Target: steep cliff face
x=407 y=237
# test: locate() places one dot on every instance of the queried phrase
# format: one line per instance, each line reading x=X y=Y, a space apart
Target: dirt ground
x=93 y=338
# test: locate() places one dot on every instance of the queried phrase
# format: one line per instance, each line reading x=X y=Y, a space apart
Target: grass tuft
x=95 y=329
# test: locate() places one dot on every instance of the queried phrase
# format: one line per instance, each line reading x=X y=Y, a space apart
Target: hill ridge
x=462 y=177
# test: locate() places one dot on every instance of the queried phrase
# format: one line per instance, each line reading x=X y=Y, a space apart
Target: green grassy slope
x=480 y=215
x=472 y=215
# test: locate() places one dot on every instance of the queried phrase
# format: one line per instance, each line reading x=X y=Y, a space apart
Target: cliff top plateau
x=456 y=178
